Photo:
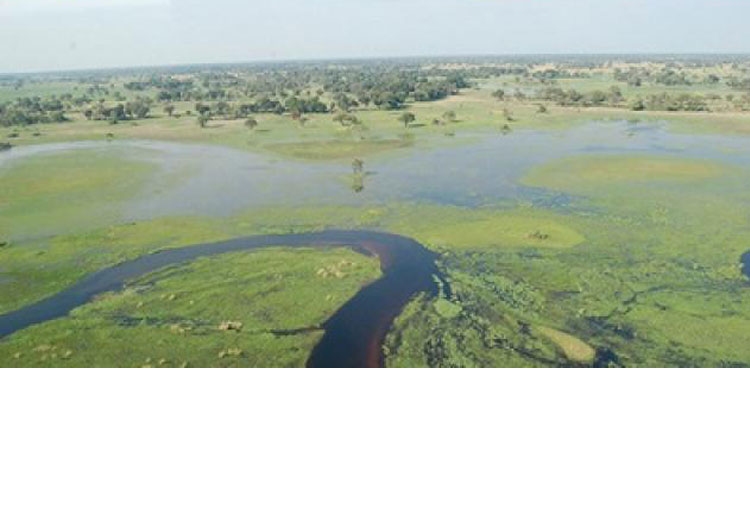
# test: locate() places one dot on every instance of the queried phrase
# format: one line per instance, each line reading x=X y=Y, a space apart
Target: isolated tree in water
x=358 y=165
x=407 y=118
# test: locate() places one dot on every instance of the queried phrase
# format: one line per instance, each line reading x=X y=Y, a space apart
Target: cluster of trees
x=671 y=102
x=31 y=111
x=549 y=75
x=636 y=76
x=574 y=98
x=289 y=87
x=296 y=106
x=133 y=110
x=392 y=88
x=614 y=98
x=739 y=83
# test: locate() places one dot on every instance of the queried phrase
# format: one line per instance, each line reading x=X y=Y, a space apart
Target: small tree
x=407 y=118
x=507 y=114
x=358 y=165
x=251 y=123
x=202 y=121
x=499 y=94
x=449 y=116
x=169 y=109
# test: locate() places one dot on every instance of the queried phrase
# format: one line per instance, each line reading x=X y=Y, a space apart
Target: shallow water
x=218 y=181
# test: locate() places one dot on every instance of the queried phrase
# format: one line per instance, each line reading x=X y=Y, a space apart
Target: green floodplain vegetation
x=639 y=266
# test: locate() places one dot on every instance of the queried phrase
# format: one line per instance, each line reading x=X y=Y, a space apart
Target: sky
x=38 y=35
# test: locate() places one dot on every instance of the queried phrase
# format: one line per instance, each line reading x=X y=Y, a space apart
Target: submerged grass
x=47 y=194
x=592 y=172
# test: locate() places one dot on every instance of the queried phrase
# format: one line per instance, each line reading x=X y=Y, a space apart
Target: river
x=353 y=336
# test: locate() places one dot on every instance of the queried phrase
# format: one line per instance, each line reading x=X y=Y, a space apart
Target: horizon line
x=262 y=61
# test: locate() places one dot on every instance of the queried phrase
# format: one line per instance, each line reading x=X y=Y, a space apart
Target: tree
x=202 y=120
x=507 y=114
x=346 y=119
x=169 y=109
x=358 y=165
x=499 y=94
x=251 y=123
x=449 y=116
x=407 y=118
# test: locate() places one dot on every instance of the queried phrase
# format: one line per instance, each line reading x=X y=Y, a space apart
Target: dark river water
x=353 y=335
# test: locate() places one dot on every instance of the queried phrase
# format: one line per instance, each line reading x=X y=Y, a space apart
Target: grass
x=575 y=349
x=174 y=317
x=587 y=172
x=336 y=149
x=66 y=192
x=444 y=227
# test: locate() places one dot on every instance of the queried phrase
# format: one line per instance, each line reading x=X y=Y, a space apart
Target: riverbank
x=352 y=336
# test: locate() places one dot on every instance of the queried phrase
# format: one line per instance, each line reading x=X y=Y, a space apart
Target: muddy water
x=353 y=335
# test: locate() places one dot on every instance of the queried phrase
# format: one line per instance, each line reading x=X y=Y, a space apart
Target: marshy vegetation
x=565 y=242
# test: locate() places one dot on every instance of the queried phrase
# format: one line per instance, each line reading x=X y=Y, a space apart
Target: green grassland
x=276 y=301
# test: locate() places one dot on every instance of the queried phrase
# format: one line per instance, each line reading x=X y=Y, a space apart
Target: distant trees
x=136 y=109
x=499 y=94
x=407 y=118
x=31 y=111
x=139 y=108
x=611 y=97
x=346 y=119
x=670 y=102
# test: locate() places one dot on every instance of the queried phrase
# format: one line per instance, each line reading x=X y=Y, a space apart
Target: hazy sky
x=73 y=34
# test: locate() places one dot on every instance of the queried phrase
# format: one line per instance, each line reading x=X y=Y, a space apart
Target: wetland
x=583 y=235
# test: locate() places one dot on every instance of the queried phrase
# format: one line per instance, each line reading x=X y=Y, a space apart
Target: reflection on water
x=213 y=180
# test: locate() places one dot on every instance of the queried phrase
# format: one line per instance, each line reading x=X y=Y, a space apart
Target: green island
x=584 y=211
